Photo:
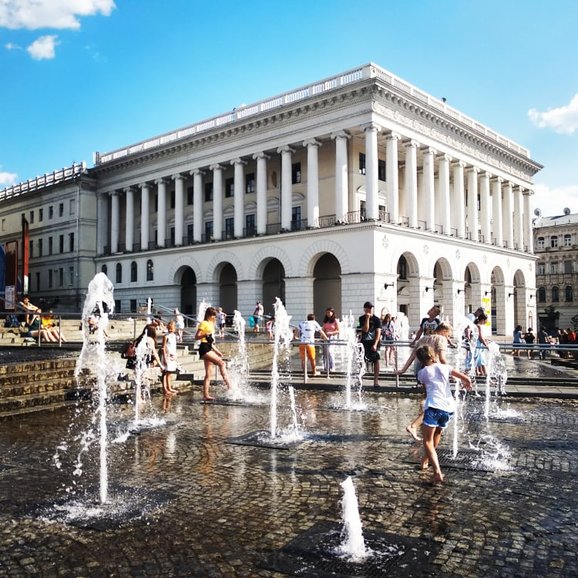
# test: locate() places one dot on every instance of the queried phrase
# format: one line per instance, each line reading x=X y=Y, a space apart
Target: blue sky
x=80 y=76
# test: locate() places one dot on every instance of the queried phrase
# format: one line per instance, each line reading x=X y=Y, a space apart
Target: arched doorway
x=273 y=284
x=228 y=288
x=188 y=291
x=327 y=286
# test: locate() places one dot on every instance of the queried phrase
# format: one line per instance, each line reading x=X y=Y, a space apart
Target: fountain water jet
x=353 y=545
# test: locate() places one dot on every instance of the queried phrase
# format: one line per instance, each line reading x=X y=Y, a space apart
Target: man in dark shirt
x=370 y=328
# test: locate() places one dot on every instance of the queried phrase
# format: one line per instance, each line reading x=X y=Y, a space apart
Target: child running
x=439 y=405
x=208 y=352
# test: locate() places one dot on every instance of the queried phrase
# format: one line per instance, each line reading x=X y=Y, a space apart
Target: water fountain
x=355 y=357
x=353 y=544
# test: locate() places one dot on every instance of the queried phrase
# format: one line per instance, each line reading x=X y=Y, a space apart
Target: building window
x=541 y=269
x=50 y=212
x=172 y=200
x=104 y=269
x=72 y=207
x=553 y=241
x=554 y=268
x=190 y=195
x=402 y=268
x=71 y=275
x=229 y=188
x=50 y=248
x=296 y=173
x=61 y=243
x=568 y=266
x=208 y=192
x=541 y=295
x=31 y=217
x=61 y=277
x=71 y=242
x=133 y=272
x=555 y=294
x=30 y=248
x=381 y=170
x=567 y=240
x=250 y=228
x=172 y=237
x=229 y=227
x=250 y=183
x=41 y=215
x=208 y=230
x=118 y=273
x=40 y=243
x=190 y=233
x=540 y=244
x=117 y=305
x=296 y=219
x=50 y=280
x=150 y=270
x=38 y=281
x=568 y=294
x=361 y=163
x=61 y=209
x=133 y=305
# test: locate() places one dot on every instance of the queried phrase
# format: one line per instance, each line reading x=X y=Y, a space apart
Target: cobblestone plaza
x=203 y=505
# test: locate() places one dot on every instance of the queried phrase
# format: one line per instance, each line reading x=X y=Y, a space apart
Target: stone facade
x=357 y=187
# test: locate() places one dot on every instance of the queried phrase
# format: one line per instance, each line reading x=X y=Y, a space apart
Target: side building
x=353 y=188
x=556 y=246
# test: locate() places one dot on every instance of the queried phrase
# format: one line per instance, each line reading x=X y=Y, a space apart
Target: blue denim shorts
x=433 y=417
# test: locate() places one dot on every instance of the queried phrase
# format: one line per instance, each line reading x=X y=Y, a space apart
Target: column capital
x=428 y=150
x=458 y=164
x=238 y=161
x=392 y=136
x=508 y=185
x=178 y=176
x=216 y=167
x=340 y=134
x=144 y=185
x=528 y=192
x=129 y=189
x=498 y=180
x=196 y=172
x=371 y=126
x=113 y=193
x=445 y=157
x=285 y=149
x=261 y=155
x=485 y=174
x=410 y=143
x=311 y=142
x=472 y=169
x=161 y=181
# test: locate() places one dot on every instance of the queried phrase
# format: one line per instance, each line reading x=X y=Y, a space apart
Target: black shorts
x=204 y=348
x=371 y=355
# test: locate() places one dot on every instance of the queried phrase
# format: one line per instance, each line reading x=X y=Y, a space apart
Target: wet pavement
x=184 y=499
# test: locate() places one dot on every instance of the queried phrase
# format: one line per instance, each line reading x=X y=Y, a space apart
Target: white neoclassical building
x=353 y=188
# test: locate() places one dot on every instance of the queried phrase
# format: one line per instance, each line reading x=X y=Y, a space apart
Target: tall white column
x=114 y=222
x=497 y=228
x=238 y=195
x=371 y=172
x=411 y=182
x=518 y=219
x=261 y=184
x=179 y=208
x=392 y=176
x=472 y=176
x=444 y=205
x=528 y=236
x=429 y=187
x=217 y=202
x=144 y=216
x=485 y=207
x=129 y=219
x=161 y=212
x=341 y=184
x=312 y=182
x=102 y=230
x=508 y=216
x=286 y=187
x=458 y=200
x=197 y=205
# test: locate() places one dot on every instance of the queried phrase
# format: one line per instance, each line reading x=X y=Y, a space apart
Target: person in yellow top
x=208 y=352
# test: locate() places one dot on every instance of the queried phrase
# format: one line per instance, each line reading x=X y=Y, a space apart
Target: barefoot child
x=169 y=358
x=439 y=404
x=208 y=352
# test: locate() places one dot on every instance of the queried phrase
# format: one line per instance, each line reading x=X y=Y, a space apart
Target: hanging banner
x=25 y=255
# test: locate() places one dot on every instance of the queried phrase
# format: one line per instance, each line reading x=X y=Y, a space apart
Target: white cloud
x=8 y=179
x=563 y=119
x=43 y=48
x=12 y=46
x=60 y=14
x=553 y=200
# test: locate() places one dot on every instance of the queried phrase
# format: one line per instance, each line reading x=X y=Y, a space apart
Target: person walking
x=208 y=352
x=388 y=337
x=258 y=316
x=307 y=330
x=530 y=339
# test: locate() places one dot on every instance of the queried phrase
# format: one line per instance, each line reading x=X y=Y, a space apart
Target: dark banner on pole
x=25 y=255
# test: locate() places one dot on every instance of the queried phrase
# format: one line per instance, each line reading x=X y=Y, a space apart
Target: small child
x=439 y=404
x=170 y=359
